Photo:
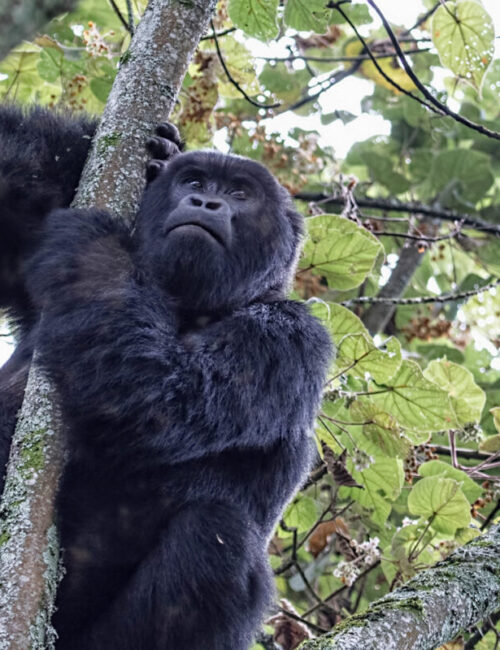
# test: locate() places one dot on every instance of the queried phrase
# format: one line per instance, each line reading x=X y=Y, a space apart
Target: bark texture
x=23 y=18
x=143 y=94
x=429 y=610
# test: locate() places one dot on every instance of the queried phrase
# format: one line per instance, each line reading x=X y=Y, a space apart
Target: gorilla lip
x=194 y=224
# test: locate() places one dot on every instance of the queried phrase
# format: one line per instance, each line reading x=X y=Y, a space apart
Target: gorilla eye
x=238 y=194
x=194 y=183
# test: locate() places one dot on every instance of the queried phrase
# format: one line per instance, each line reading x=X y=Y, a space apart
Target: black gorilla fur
x=188 y=384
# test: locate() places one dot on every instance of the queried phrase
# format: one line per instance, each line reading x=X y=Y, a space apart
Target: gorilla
x=188 y=382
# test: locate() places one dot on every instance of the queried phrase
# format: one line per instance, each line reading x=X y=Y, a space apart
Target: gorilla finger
x=170 y=132
x=153 y=169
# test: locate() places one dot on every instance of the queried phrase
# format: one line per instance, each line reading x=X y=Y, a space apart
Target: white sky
x=346 y=96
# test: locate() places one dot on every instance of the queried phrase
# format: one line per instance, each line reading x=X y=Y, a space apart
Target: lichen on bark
x=430 y=609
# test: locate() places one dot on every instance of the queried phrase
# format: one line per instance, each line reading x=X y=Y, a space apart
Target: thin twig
x=422 y=300
x=393 y=205
x=335 y=5
x=130 y=13
x=335 y=59
x=232 y=80
x=209 y=37
x=420 y=20
x=119 y=14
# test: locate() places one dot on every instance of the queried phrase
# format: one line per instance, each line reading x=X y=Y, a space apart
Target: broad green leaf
x=495 y=412
x=339 y=320
x=464 y=36
x=301 y=514
x=467 y=399
x=357 y=12
x=341 y=250
x=491 y=444
x=382 y=481
x=284 y=84
x=415 y=402
x=307 y=15
x=382 y=432
x=438 y=468
x=442 y=501
x=101 y=87
x=471 y=169
x=358 y=354
x=255 y=17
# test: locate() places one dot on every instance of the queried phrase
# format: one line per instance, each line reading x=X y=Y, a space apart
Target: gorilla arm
x=138 y=392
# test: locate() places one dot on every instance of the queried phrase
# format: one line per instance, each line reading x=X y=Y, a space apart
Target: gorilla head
x=217 y=231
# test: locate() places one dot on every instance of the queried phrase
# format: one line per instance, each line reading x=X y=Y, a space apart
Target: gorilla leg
x=205 y=586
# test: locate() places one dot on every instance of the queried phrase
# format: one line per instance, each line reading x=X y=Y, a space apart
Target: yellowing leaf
x=389 y=65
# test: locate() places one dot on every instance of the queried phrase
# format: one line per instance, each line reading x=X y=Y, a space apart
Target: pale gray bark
x=143 y=94
x=429 y=610
x=20 y=19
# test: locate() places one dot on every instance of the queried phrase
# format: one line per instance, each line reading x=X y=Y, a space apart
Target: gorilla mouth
x=193 y=224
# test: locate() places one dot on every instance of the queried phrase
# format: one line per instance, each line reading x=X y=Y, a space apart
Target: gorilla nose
x=206 y=203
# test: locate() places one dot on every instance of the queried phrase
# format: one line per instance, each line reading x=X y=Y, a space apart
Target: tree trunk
x=143 y=94
x=429 y=610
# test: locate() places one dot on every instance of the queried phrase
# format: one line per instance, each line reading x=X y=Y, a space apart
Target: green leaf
x=438 y=468
x=358 y=13
x=307 y=15
x=467 y=399
x=415 y=402
x=340 y=250
x=100 y=87
x=464 y=36
x=495 y=412
x=49 y=66
x=255 y=17
x=470 y=169
x=358 y=354
x=382 y=481
x=301 y=514
x=383 y=433
x=339 y=320
x=283 y=83
x=442 y=502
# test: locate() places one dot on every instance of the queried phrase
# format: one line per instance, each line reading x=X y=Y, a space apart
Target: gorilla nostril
x=196 y=201
x=213 y=205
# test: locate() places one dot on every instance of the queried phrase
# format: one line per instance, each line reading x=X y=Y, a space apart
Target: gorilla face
x=217 y=231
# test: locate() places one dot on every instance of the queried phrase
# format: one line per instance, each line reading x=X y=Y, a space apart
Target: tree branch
x=393 y=205
x=429 y=610
x=421 y=300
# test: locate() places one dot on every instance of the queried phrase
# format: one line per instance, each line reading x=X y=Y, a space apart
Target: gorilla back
x=189 y=385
